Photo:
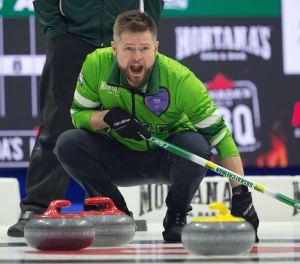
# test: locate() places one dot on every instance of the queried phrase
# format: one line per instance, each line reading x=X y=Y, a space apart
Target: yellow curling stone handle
x=224 y=215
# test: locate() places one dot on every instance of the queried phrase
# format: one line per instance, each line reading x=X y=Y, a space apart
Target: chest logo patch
x=80 y=78
x=159 y=103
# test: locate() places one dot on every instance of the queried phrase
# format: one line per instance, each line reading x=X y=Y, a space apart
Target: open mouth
x=136 y=69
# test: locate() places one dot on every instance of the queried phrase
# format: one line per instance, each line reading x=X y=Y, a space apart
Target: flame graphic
x=278 y=155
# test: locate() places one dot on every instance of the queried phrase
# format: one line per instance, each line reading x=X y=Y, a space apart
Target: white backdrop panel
x=148 y=201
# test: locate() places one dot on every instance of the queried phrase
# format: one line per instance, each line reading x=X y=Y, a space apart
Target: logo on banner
x=218 y=43
x=20 y=5
x=152 y=198
x=158 y=104
x=238 y=104
x=180 y=5
x=16 y=147
x=11 y=149
x=17 y=66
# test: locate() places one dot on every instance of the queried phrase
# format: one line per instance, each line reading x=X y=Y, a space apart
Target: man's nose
x=137 y=55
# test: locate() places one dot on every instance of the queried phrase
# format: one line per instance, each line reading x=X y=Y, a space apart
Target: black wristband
x=239 y=188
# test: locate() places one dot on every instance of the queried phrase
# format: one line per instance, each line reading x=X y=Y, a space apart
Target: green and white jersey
x=172 y=99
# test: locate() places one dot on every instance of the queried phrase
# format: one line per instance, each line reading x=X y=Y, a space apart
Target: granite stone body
x=59 y=233
x=218 y=238
x=56 y=232
x=113 y=227
x=112 y=230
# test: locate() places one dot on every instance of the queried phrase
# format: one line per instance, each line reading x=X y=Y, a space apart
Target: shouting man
x=130 y=88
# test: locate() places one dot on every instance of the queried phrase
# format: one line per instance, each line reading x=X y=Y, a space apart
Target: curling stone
x=221 y=235
x=113 y=227
x=54 y=231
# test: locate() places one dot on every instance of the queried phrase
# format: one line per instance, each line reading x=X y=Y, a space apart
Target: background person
x=140 y=90
x=75 y=28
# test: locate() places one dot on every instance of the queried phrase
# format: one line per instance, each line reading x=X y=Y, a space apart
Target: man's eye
x=145 y=48
x=128 y=48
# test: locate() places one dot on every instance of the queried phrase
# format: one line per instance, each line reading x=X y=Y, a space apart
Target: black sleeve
x=154 y=9
x=50 y=19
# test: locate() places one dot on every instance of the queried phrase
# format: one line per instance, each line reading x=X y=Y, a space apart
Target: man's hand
x=125 y=124
x=243 y=207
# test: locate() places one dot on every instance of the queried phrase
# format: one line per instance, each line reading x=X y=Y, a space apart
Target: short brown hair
x=134 y=21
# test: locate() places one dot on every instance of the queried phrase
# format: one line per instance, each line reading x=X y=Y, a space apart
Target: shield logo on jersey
x=159 y=103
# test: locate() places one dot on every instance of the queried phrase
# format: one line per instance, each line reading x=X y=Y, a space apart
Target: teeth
x=136 y=68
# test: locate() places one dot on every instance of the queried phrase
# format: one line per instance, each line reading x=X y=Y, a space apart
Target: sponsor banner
x=16 y=147
x=147 y=202
x=21 y=64
x=238 y=104
x=220 y=39
x=291 y=36
x=239 y=60
x=223 y=43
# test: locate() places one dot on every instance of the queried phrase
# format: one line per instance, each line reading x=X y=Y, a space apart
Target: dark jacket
x=90 y=20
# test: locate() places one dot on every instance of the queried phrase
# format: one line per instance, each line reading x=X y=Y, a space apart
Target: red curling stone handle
x=51 y=211
x=104 y=200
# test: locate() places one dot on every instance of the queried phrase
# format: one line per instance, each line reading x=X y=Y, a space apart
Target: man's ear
x=156 y=47
x=114 y=48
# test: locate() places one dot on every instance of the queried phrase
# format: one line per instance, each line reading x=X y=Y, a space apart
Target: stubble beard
x=135 y=81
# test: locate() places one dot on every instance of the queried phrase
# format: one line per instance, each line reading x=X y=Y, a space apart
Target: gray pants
x=99 y=163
